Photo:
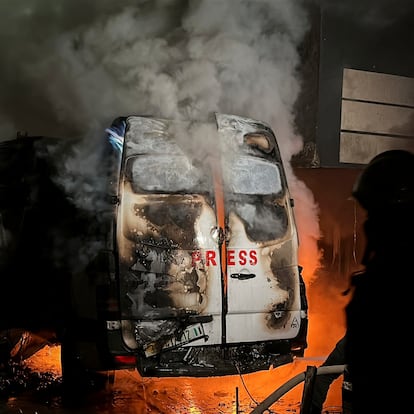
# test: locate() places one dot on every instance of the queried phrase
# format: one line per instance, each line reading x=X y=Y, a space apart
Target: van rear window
x=253 y=176
x=176 y=174
x=165 y=173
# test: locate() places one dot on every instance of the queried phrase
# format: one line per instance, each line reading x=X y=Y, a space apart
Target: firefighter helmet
x=386 y=182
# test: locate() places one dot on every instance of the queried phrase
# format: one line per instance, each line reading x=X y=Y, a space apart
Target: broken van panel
x=207 y=246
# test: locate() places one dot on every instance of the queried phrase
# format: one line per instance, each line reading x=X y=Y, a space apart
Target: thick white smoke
x=73 y=67
x=167 y=58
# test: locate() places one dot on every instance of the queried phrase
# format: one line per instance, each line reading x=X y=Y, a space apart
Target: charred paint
x=183 y=231
x=172 y=218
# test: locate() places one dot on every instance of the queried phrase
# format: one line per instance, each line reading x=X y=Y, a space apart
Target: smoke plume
x=70 y=68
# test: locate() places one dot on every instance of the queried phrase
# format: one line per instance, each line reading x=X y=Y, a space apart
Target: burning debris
x=16 y=378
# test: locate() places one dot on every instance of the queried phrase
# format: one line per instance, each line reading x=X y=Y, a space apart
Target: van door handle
x=242 y=276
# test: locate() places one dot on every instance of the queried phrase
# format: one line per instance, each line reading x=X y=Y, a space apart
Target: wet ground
x=35 y=388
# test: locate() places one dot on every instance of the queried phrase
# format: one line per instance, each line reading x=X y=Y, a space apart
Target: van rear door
x=263 y=300
x=206 y=233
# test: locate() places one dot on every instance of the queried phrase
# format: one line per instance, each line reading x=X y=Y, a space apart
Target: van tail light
x=127 y=360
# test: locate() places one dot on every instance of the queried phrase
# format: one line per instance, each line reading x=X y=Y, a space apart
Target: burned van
x=206 y=248
x=194 y=267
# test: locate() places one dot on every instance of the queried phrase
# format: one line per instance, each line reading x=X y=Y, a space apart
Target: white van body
x=207 y=243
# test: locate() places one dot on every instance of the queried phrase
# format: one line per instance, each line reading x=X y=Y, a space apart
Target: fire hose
x=287 y=386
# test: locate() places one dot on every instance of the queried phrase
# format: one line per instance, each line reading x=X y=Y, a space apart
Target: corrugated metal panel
x=377 y=114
